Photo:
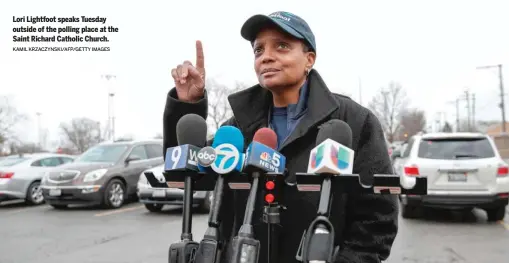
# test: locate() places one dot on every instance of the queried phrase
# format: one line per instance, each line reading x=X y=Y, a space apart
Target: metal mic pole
x=245 y=248
x=317 y=244
x=271 y=213
x=185 y=250
x=209 y=246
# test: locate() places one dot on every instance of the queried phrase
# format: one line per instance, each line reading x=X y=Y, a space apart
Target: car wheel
x=496 y=214
x=154 y=207
x=34 y=194
x=408 y=211
x=114 y=195
x=59 y=207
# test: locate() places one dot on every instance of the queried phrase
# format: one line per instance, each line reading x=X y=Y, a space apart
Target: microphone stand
x=185 y=250
x=246 y=249
x=271 y=217
x=209 y=246
x=317 y=244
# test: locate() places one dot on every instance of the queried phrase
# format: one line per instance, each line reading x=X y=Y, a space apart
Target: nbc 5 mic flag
x=331 y=157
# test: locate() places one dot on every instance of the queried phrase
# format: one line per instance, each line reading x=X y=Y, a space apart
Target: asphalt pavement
x=42 y=234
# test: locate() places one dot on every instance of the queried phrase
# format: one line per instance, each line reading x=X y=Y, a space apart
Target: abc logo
x=206 y=156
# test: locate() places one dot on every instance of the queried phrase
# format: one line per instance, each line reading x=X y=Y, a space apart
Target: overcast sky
x=431 y=47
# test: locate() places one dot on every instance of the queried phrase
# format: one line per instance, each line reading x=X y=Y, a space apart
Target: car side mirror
x=132 y=158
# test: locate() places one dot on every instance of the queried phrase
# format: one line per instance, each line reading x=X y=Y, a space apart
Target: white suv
x=464 y=170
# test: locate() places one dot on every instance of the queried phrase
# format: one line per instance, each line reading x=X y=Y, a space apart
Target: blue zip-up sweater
x=283 y=120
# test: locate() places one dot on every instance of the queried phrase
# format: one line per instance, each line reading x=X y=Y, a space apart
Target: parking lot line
x=504 y=224
x=19 y=210
x=121 y=210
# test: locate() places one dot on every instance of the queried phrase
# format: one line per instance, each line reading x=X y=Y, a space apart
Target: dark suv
x=106 y=174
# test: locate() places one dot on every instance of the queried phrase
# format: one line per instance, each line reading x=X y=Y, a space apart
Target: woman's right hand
x=189 y=79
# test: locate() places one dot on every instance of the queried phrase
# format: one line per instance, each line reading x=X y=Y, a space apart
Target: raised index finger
x=200 y=59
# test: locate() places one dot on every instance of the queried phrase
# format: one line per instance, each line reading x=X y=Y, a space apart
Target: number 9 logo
x=175 y=156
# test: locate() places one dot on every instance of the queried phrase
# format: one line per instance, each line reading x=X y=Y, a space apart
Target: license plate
x=457 y=177
x=55 y=192
x=159 y=193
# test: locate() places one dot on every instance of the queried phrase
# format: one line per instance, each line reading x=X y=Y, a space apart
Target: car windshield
x=103 y=154
x=456 y=148
x=11 y=161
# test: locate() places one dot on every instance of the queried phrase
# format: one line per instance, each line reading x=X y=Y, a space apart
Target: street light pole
x=39 y=133
x=111 y=115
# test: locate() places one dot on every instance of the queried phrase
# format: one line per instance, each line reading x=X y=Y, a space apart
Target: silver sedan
x=20 y=175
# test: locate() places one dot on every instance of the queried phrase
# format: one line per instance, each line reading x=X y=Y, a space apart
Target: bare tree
x=21 y=148
x=447 y=127
x=219 y=108
x=388 y=105
x=412 y=121
x=9 y=117
x=82 y=133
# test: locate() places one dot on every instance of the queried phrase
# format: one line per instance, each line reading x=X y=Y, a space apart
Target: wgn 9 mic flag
x=191 y=136
x=228 y=145
x=332 y=153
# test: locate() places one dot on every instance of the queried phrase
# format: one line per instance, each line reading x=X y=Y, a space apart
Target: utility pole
x=473 y=113
x=467 y=97
x=111 y=114
x=39 y=132
x=457 y=115
x=501 y=86
x=502 y=104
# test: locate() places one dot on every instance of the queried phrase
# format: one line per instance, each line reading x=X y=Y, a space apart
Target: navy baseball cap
x=288 y=22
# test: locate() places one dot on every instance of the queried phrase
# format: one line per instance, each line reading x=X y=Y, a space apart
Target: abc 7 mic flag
x=227 y=159
x=331 y=157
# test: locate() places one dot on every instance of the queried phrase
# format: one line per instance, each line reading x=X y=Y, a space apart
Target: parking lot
x=132 y=234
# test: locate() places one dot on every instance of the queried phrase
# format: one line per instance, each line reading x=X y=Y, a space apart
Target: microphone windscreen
x=266 y=137
x=336 y=130
x=231 y=135
x=192 y=129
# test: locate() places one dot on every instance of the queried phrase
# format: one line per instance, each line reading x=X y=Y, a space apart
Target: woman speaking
x=292 y=99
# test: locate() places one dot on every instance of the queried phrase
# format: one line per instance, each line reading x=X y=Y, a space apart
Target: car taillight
x=503 y=171
x=411 y=171
x=6 y=175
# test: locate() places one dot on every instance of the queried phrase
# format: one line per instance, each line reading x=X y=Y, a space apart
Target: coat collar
x=251 y=107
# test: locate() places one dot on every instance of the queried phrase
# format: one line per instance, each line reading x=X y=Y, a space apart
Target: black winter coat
x=365 y=225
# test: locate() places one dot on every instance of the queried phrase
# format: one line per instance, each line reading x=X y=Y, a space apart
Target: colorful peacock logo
x=317 y=157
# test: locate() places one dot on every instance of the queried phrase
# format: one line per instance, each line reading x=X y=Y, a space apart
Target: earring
x=307 y=71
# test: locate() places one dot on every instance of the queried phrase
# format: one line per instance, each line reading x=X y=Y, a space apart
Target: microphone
x=331 y=157
x=191 y=136
x=223 y=158
x=260 y=158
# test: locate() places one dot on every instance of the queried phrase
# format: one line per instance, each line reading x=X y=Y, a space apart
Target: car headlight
x=94 y=175
x=143 y=182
